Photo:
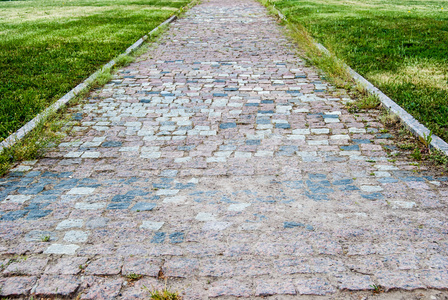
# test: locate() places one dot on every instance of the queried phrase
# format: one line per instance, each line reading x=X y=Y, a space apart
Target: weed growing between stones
x=401 y=51
x=45 y=238
x=133 y=276
x=163 y=294
x=55 y=125
x=51 y=46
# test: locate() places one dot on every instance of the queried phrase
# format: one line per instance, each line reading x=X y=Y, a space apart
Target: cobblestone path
x=221 y=162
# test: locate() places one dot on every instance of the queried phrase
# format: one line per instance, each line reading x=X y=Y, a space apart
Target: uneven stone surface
x=221 y=162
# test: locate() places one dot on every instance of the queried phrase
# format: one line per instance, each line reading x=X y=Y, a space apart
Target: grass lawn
x=47 y=47
x=401 y=46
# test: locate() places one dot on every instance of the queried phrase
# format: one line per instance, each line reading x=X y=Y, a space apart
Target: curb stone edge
x=409 y=121
x=15 y=137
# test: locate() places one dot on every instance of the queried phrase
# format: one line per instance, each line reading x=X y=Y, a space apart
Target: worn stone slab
x=51 y=285
x=17 y=286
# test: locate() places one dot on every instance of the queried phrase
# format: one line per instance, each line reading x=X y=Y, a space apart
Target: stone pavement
x=222 y=163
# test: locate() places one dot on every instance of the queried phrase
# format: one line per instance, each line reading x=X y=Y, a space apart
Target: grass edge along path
x=49 y=47
x=51 y=125
x=343 y=76
x=390 y=43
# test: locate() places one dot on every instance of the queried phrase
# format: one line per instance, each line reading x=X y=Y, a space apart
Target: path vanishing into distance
x=220 y=162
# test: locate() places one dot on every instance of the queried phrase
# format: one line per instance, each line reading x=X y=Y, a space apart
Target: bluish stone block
x=412 y=178
x=136 y=193
x=32 y=190
x=373 y=196
x=33 y=174
x=387 y=180
x=66 y=184
x=292 y=224
x=186 y=148
x=182 y=186
x=350 y=148
x=161 y=185
x=227 y=125
x=118 y=205
x=263 y=121
x=317 y=176
x=349 y=188
x=158 y=238
x=253 y=142
x=282 y=126
x=317 y=197
x=176 y=237
x=384 y=136
x=289 y=148
x=13 y=215
x=361 y=141
x=122 y=198
x=37 y=205
x=143 y=206
x=219 y=95
x=321 y=190
x=343 y=181
x=111 y=144
x=37 y=214
x=44 y=198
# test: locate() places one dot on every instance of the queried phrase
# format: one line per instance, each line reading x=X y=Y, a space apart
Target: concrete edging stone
x=409 y=121
x=28 y=127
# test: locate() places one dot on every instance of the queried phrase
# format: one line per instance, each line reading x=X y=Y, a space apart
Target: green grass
x=48 y=47
x=398 y=45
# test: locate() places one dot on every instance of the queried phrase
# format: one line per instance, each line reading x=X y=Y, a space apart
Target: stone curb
x=28 y=127
x=409 y=121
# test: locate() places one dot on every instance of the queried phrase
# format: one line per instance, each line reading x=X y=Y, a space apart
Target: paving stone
x=105 y=266
x=76 y=236
x=181 y=267
x=143 y=206
x=434 y=279
x=314 y=286
x=17 y=286
x=97 y=222
x=60 y=285
x=398 y=280
x=70 y=223
x=229 y=288
x=142 y=266
x=109 y=289
x=202 y=216
x=216 y=226
x=81 y=191
x=62 y=249
x=267 y=288
x=151 y=225
x=30 y=266
x=67 y=266
x=40 y=235
x=17 y=198
x=355 y=282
